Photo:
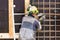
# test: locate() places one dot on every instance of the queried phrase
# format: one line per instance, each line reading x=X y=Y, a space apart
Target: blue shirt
x=30 y=23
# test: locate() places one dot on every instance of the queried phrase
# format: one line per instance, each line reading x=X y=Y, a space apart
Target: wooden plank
x=10 y=2
x=6 y=36
x=26 y=5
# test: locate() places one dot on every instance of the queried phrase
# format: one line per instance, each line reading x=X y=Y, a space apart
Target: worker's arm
x=38 y=25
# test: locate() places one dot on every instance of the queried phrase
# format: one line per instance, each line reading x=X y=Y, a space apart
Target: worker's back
x=28 y=27
x=29 y=23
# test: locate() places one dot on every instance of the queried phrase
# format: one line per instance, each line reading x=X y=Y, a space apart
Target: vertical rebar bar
x=44 y=19
x=49 y=23
x=55 y=19
x=38 y=8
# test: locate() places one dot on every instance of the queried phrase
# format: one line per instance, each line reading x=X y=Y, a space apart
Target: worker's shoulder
x=27 y=18
x=24 y=16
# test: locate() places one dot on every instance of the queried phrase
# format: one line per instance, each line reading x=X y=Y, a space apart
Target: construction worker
x=30 y=24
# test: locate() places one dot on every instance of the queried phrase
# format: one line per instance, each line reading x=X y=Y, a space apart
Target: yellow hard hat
x=33 y=9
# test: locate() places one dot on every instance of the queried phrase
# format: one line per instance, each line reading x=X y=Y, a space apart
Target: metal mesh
x=51 y=25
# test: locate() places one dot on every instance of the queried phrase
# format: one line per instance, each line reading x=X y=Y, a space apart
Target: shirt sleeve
x=38 y=24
